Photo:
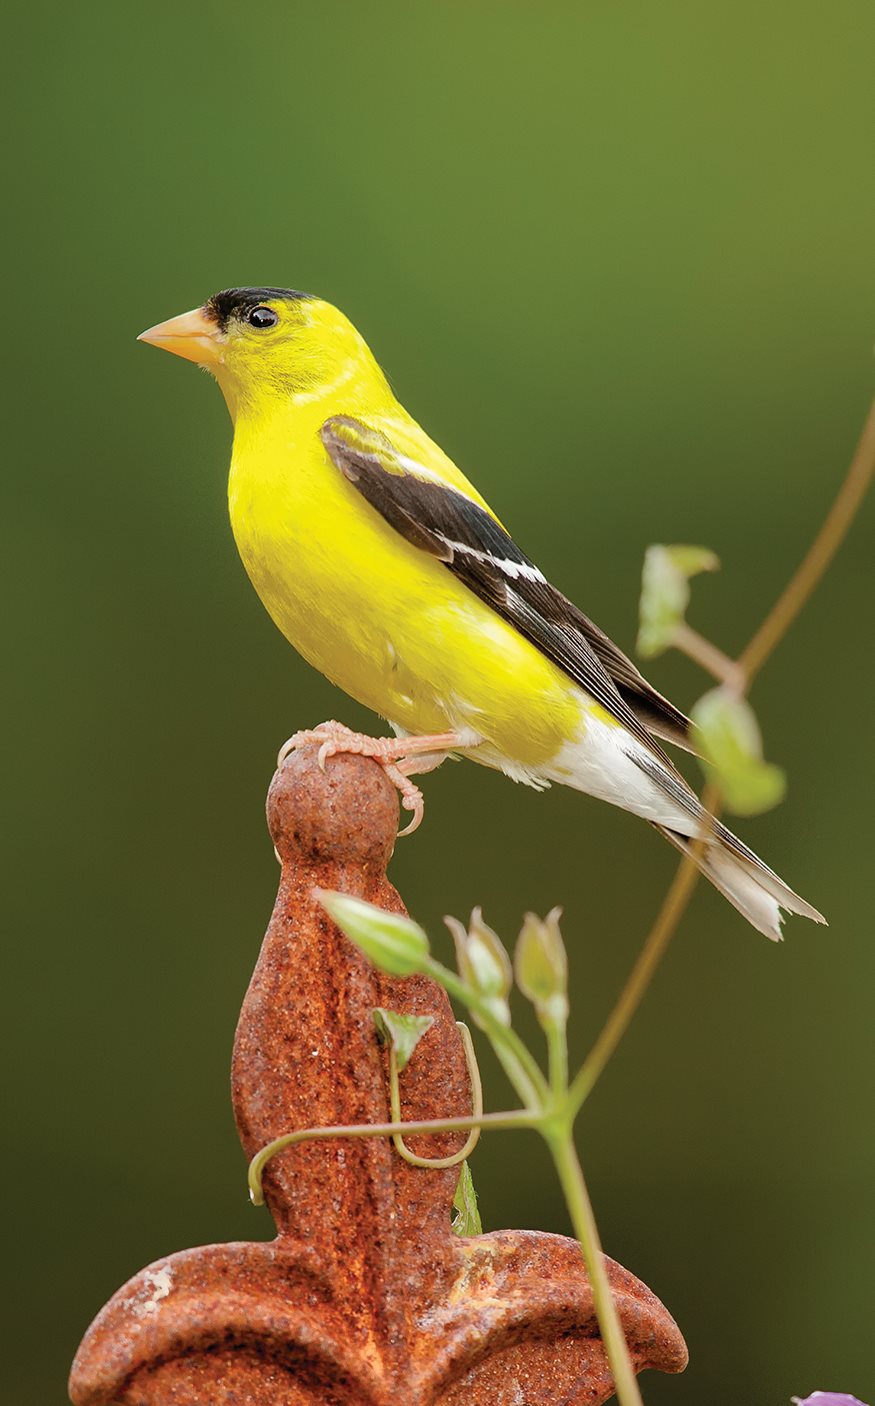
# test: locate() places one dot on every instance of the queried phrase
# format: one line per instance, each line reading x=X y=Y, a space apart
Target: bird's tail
x=743 y=878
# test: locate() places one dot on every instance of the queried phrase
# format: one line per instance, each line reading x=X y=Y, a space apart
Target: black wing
x=481 y=554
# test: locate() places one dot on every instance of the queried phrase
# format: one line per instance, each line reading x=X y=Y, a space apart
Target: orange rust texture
x=365 y=1298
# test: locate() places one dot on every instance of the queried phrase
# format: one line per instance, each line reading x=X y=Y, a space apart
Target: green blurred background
x=618 y=259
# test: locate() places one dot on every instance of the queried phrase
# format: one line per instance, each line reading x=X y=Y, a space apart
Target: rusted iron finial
x=366 y=1297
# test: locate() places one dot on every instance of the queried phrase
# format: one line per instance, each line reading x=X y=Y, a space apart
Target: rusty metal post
x=366 y=1297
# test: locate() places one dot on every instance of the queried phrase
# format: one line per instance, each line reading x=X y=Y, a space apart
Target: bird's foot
x=398 y=756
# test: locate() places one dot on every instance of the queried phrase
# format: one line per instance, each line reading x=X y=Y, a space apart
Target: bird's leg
x=418 y=765
x=398 y=756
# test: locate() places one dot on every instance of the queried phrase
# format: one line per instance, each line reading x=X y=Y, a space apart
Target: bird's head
x=260 y=343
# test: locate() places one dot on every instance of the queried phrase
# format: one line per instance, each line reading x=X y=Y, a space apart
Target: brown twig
x=726 y=671
x=821 y=552
x=673 y=907
x=766 y=639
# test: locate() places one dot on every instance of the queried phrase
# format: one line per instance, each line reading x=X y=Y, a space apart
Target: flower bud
x=542 y=967
x=392 y=941
x=483 y=963
x=827 y=1398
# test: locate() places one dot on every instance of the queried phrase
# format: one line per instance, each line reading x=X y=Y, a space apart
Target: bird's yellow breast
x=383 y=620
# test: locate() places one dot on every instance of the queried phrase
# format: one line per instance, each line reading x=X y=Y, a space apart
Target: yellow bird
x=388 y=572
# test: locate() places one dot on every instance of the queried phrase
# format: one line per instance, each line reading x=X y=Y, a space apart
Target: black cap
x=237 y=302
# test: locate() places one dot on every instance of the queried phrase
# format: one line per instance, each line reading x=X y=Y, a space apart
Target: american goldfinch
x=387 y=571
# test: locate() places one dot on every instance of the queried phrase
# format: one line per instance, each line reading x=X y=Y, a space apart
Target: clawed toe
x=394 y=754
x=412 y=799
x=325 y=734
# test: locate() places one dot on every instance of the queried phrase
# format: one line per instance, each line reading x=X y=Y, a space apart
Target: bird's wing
x=658 y=714
x=475 y=547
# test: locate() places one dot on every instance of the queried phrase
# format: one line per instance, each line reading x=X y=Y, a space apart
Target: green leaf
x=542 y=966
x=466 y=1221
x=404 y=1032
x=727 y=734
x=665 y=592
x=393 y=942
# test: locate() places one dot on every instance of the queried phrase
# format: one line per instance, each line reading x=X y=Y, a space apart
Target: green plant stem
x=516 y=1118
x=570 y=1175
x=557 y=1050
x=518 y=1063
x=436 y=1163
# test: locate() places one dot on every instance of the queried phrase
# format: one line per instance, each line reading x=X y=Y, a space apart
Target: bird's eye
x=262 y=317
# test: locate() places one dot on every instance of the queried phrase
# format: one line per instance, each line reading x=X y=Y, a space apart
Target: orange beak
x=192 y=335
